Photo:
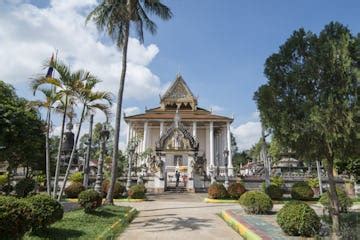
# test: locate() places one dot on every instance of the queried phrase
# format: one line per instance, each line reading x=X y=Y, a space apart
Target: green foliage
x=74 y=189
x=118 y=188
x=274 y=191
x=90 y=200
x=77 y=177
x=40 y=179
x=45 y=211
x=344 y=201
x=3 y=180
x=235 y=190
x=278 y=181
x=217 y=191
x=298 y=219
x=15 y=217
x=301 y=191
x=24 y=187
x=256 y=202
x=313 y=182
x=137 y=191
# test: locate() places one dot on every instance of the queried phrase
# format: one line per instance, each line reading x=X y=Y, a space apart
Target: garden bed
x=75 y=200
x=105 y=223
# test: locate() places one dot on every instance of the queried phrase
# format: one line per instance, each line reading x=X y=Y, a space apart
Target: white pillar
x=128 y=136
x=161 y=128
x=145 y=136
x=211 y=144
x=230 y=166
x=194 y=129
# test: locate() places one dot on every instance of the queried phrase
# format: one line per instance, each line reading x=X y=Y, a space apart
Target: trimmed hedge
x=46 y=211
x=118 y=189
x=344 y=201
x=296 y=218
x=137 y=192
x=301 y=191
x=24 y=187
x=235 y=190
x=74 y=189
x=15 y=217
x=275 y=192
x=217 y=191
x=256 y=202
x=90 y=200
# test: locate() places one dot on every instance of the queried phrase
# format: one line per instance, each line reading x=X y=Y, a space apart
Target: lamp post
x=104 y=136
x=226 y=154
x=131 y=150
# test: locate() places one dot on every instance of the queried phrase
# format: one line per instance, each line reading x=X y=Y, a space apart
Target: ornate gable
x=178 y=96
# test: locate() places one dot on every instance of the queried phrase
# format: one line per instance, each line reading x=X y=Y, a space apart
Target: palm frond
x=157 y=8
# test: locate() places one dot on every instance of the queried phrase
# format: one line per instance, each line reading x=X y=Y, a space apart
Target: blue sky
x=219 y=47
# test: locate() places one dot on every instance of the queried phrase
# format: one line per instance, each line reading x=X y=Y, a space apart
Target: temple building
x=180 y=136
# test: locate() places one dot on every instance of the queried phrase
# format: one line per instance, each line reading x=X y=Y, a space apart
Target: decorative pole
x=318 y=168
x=88 y=154
x=263 y=157
x=131 y=150
x=226 y=154
x=104 y=136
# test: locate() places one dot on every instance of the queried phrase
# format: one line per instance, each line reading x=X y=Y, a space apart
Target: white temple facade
x=180 y=135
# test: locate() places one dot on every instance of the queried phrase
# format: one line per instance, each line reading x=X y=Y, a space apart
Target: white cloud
x=247 y=134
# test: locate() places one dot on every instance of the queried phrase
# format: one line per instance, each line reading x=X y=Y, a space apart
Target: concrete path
x=174 y=216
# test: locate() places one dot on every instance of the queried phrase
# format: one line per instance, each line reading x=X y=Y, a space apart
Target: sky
x=219 y=47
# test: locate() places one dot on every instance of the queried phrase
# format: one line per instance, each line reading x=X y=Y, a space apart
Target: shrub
x=344 y=201
x=74 y=189
x=7 y=188
x=137 y=191
x=24 y=187
x=3 y=180
x=313 y=182
x=298 y=219
x=90 y=200
x=301 y=191
x=217 y=191
x=256 y=202
x=275 y=192
x=118 y=190
x=46 y=211
x=235 y=190
x=15 y=217
x=77 y=177
x=277 y=181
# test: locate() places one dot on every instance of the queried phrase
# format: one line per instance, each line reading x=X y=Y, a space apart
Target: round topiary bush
x=275 y=192
x=217 y=191
x=118 y=190
x=74 y=189
x=46 y=211
x=344 y=201
x=137 y=192
x=256 y=202
x=90 y=200
x=24 y=187
x=15 y=217
x=296 y=218
x=77 y=177
x=235 y=190
x=301 y=191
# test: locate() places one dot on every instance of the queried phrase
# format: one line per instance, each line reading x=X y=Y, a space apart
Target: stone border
x=75 y=200
x=209 y=200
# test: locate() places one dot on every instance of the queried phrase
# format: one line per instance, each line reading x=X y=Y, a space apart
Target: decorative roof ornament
x=177 y=118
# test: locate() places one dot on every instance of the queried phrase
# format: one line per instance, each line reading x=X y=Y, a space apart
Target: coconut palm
x=51 y=98
x=65 y=84
x=115 y=17
x=91 y=100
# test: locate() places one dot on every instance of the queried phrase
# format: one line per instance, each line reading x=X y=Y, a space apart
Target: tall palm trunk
x=88 y=154
x=72 y=155
x=109 y=196
x=57 y=170
x=48 y=177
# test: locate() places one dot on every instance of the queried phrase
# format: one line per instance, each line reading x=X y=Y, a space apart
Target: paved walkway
x=175 y=216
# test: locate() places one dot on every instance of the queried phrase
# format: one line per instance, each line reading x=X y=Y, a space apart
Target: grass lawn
x=105 y=223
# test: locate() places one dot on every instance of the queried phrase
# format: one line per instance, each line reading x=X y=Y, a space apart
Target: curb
x=129 y=200
x=243 y=230
x=209 y=200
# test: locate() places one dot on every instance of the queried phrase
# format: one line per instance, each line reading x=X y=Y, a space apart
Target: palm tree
x=65 y=84
x=92 y=100
x=51 y=97
x=115 y=17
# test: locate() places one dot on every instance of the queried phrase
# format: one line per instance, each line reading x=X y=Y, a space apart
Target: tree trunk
x=48 y=177
x=109 y=196
x=88 y=154
x=72 y=155
x=57 y=169
x=334 y=201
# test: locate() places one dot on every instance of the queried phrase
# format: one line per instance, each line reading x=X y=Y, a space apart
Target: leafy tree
x=240 y=158
x=310 y=101
x=116 y=18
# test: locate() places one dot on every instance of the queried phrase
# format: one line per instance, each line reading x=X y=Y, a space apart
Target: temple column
x=161 y=128
x=230 y=166
x=194 y=129
x=146 y=129
x=128 y=135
